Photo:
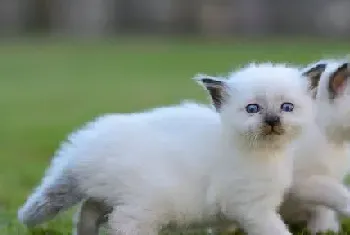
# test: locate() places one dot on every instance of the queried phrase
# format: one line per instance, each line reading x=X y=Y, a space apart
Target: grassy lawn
x=47 y=88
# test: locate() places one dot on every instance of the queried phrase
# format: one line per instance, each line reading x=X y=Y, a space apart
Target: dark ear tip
x=321 y=66
x=211 y=81
x=346 y=65
x=207 y=80
x=318 y=68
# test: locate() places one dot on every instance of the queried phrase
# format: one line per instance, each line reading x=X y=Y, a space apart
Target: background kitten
x=322 y=159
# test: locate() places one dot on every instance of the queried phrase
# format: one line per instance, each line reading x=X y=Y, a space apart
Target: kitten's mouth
x=272 y=130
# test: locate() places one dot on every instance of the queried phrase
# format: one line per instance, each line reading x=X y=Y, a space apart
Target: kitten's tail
x=56 y=193
x=59 y=189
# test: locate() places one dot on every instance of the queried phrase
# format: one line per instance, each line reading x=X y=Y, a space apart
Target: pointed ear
x=338 y=80
x=216 y=88
x=314 y=74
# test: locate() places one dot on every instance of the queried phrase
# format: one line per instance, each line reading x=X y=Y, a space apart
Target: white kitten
x=186 y=164
x=321 y=159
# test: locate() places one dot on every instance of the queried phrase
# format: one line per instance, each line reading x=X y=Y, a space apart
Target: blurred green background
x=64 y=62
x=50 y=87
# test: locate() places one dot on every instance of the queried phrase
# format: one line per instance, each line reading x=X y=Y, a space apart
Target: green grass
x=47 y=88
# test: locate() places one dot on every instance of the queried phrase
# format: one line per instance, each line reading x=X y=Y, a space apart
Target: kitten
x=322 y=158
x=186 y=164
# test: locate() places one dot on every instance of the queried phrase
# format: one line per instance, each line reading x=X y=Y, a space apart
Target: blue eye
x=252 y=108
x=287 y=107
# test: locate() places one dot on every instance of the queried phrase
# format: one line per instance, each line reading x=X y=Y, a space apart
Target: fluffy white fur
x=186 y=164
x=322 y=161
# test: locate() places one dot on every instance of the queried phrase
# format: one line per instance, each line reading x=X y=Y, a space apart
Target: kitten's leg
x=91 y=215
x=323 y=220
x=263 y=223
x=323 y=191
x=133 y=220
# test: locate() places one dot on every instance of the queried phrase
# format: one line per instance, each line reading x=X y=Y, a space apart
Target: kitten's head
x=333 y=97
x=262 y=105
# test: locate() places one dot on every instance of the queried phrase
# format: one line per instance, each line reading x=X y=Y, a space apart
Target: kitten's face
x=265 y=106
